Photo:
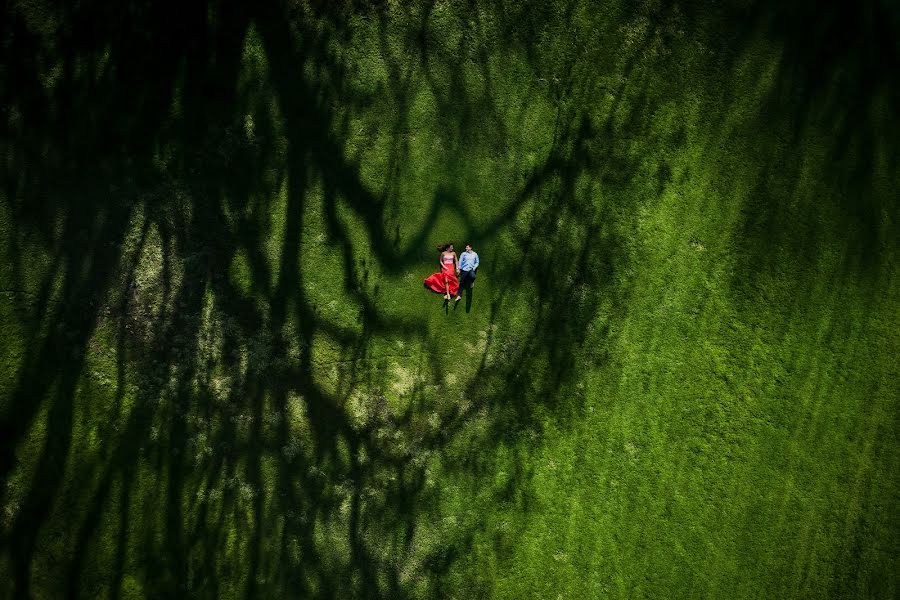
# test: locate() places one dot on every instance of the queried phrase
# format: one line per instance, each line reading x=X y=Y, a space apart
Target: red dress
x=435 y=281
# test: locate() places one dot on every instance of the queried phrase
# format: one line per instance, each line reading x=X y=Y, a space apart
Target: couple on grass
x=445 y=281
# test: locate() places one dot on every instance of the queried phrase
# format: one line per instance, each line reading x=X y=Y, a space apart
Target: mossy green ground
x=676 y=376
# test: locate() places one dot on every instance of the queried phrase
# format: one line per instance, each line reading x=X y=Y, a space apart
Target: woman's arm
x=456 y=262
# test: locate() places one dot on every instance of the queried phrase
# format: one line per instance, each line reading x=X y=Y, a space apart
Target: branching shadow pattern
x=250 y=442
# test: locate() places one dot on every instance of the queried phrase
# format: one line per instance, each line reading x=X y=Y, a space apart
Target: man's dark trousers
x=466 y=279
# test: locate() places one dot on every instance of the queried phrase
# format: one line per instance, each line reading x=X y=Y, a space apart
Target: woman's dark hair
x=444 y=247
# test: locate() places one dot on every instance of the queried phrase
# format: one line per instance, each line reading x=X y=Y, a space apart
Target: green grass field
x=676 y=377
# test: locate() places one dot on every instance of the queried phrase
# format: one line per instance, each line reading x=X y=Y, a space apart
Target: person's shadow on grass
x=469 y=294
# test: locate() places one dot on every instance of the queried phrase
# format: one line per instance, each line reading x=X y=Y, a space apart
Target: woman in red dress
x=445 y=281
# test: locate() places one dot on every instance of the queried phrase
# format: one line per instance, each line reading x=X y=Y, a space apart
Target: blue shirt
x=468 y=261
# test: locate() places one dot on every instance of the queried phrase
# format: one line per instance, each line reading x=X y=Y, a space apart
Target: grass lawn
x=676 y=376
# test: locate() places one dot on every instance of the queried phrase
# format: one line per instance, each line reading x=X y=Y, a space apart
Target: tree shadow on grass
x=823 y=189
x=234 y=463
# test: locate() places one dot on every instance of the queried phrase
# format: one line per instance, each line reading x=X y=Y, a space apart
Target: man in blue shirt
x=468 y=264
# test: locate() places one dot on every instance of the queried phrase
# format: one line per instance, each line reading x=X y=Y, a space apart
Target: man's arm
x=476 y=262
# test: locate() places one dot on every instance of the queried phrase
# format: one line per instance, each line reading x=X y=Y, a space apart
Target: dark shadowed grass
x=221 y=376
